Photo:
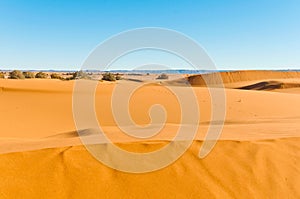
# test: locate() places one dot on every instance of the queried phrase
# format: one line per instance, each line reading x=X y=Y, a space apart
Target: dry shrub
x=80 y=75
x=163 y=76
x=56 y=76
x=28 y=74
x=16 y=74
x=108 y=77
x=41 y=75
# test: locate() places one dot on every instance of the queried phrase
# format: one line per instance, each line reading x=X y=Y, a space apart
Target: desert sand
x=257 y=155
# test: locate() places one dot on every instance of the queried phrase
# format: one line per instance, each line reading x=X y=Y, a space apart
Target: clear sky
x=59 y=34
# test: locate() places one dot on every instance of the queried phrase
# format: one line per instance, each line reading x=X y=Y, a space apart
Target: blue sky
x=53 y=34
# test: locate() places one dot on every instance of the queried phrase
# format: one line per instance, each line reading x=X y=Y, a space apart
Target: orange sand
x=257 y=156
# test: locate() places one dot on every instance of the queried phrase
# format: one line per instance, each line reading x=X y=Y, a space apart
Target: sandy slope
x=259 y=169
x=258 y=154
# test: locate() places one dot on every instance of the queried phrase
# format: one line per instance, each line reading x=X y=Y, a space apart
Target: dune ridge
x=270 y=85
x=240 y=76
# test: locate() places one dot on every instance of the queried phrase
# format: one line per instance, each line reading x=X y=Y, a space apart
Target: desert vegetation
x=28 y=74
x=2 y=75
x=163 y=76
x=108 y=77
x=16 y=74
x=111 y=77
x=56 y=76
x=80 y=75
x=41 y=75
x=118 y=76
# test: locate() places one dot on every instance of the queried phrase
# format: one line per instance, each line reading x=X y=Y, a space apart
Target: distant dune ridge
x=241 y=76
x=257 y=156
x=270 y=85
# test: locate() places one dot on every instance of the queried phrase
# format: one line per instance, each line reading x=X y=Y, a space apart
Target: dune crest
x=240 y=76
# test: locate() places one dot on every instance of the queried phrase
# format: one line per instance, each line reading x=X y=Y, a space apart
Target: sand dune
x=278 y=81
x=270 y=85
x=257 y=156
x=44 y=114
x=266 y=168
x=240 y=76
